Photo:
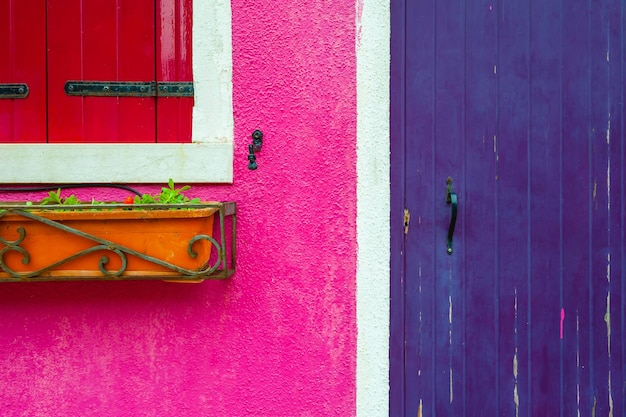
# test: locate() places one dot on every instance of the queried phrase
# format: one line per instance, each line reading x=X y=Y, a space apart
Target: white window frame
x=209 y=156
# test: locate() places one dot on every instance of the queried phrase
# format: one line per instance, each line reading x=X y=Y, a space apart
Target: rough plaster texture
x=279 y=339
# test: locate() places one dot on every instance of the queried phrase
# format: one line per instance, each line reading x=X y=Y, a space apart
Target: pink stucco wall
x=279 y=339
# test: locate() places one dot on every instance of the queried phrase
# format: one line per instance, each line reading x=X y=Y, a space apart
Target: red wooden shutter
x=100 y=40
x=23 y=60
x=174 y=64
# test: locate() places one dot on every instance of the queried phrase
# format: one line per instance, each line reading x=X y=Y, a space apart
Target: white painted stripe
x=373 y=204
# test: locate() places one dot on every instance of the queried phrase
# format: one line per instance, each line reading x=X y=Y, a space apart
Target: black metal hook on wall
x=252 y=158
x=255 y=146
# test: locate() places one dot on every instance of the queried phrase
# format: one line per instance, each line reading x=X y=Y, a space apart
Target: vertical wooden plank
x=6 y=68
x=23 y=45
x=398 y=247
x=545 y=209
x=577 y=191
x=174 y=63
x=481 y=209
x=513 y=141
x=601 y=274
x=622 y=158
x=421 y=198
x=616 y=219
x=7 y=43
x=449 y=160
x=65 y=57
x=100 y=40
x=136 y=61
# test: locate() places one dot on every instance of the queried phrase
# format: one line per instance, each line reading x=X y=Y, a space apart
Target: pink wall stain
x=279 y=339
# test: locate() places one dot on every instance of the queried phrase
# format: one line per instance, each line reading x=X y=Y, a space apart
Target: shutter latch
x=13 y=91
x=129 y=89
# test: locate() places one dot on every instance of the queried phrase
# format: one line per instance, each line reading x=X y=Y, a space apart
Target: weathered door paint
x=47 y=43
x=522 y=105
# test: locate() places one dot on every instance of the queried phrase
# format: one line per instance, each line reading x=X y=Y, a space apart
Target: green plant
x=54 y=197
x=145 y=199
x=168 y=195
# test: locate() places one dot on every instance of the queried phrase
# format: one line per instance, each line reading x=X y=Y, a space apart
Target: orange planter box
x=115 y=243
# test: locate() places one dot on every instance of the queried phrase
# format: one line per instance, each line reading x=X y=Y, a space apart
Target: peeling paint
x=595 y=190
x=407 y=220
x=450 y=318
x=607 y=319
x=451 y=387
x=515 y=388
x=593 y=409
x=515 y=309
x=495 y=151
x=608 y=186
x=610 y=396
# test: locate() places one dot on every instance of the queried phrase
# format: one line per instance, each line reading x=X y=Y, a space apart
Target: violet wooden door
x=521 y=103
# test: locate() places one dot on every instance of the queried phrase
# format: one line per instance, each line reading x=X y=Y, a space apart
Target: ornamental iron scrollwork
x=219 y=265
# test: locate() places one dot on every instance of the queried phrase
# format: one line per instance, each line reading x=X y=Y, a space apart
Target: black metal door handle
x=453 y=200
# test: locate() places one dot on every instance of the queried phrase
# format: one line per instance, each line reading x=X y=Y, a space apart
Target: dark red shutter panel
x=100 y=40
x=95 y=40
x=174 y=64
x=23 y=60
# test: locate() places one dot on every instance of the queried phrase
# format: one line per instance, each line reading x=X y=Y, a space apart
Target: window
x=56 y=137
